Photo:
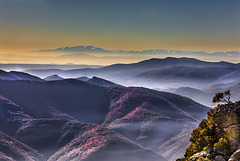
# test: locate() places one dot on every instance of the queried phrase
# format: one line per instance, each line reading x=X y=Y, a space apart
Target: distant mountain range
x=93 y=80
x=205 y=96
x=159 y=73
x=183 y=76
x=176 y=53
x=13 y=75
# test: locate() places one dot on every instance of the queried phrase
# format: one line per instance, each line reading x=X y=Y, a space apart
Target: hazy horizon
x=118 y=62
x=91 y=55
x=186 y=28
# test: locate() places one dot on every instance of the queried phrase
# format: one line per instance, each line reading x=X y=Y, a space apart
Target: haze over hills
x=94 y=80
x=98 y=143
x=21 y=67
x=92 y=117
x=161 y=73
x=34 y=108
x=173 y=148
x=204 y=96
x=84 y=78
x=142 y=115
x=53 y=77
x=178 y=75
x=84 y=139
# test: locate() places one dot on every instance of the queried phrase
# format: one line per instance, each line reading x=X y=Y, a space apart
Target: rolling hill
x=101 y=82
x=14 y=75
x=147 y=117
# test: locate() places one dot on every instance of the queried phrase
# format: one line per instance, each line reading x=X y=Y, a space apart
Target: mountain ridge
x=162 y=73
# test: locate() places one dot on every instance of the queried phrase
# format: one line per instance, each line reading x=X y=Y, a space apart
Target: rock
x=235 y=156
x=218 y=133
x=199 y=156
x=219 y=158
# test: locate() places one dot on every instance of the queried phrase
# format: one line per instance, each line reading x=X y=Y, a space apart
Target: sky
x=30 y=28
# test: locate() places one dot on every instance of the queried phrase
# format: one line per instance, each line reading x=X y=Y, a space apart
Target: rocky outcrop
x=217 y=138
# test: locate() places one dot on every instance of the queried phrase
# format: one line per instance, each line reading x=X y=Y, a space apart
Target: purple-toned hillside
x=98 y=143
x=89 y=121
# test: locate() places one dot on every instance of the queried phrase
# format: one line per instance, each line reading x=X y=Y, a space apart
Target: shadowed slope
x=78 y=99
x=7 y=76
x=13 y=75
x=25 y=76
x=7 y=109
x=11 y=149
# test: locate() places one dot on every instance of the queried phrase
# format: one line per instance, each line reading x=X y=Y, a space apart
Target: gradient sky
x=190 y=25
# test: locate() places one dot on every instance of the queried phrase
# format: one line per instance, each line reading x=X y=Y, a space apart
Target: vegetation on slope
x=219 y=134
